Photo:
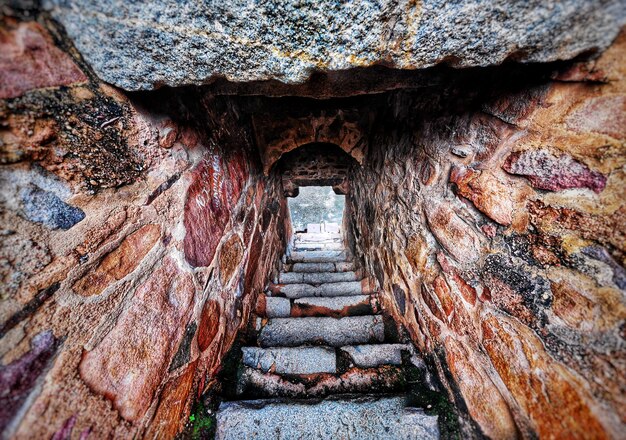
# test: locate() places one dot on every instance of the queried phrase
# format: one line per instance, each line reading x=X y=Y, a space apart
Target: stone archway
x=279 y=135
x=315 y=164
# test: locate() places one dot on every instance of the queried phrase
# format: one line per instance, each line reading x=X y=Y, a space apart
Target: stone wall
x=134 y=240
x=494 y=223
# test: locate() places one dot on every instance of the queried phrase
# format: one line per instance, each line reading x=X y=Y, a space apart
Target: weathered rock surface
x=128 y=364
x=144 y=46
x=316 y=278
x=329 y=331
x=120 y=262
x=347 y=288
x=291 y=360
x=547 y=171
x=356 y=417
x=30 y=60
x=322 y=267
x=317 y=257
x=366 y=356
x=384 y=379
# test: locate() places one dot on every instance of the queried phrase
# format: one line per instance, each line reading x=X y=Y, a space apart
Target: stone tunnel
x=147 y=153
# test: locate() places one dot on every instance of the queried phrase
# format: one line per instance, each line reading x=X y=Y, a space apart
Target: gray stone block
x=290 y=332
x=316 y=277
x=277 y=307
x=317 y=256
x=362 y=418
x=348 y=288
x=335 y=303
x=374 y=355
x=291 y=360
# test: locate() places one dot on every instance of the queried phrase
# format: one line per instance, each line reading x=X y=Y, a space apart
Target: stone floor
x=327 y=363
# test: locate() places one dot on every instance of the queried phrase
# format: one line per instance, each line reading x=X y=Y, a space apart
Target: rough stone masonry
x=142 y=210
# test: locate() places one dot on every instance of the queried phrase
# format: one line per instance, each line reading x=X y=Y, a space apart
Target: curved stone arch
x=341 y=128
x=315 y=164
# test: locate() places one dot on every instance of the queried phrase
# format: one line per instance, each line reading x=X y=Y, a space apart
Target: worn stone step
x=351 y=330
x=255 y=383
x=346 y=288
x=347 y=417
x=316 y=277
x=317 y=256
x=336 y=307
x=313 y=246
x=291 y=360
x=374 y=355
x=342 y=266
x=318 y=237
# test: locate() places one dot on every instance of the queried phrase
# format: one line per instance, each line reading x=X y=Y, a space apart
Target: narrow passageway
x=324 y=361
x=305 y=220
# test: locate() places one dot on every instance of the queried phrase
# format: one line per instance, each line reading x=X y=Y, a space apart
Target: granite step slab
x=318 y=237
x=313 y=246
x=374 y=355
x=317 y=256
x=291 y=360
x=348 y=417
x=345 y=288
x=351 y=330
x=336 y=307
x=342 y=266
x=316 y=277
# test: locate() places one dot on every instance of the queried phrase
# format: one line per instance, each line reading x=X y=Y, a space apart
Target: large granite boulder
x=144 y=45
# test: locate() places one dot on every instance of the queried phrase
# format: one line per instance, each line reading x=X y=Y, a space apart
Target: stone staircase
x=327 y=364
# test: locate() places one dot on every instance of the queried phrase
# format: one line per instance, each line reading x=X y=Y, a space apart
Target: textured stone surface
x=120 y=262
x=336 y=307
x=480 y=238
x=128 y=364
x=347 y=288
x=317 y=256
x=291 y=332
x=213 y=193
x=546 y=171
x=366 y=356
x=296 y=360
x=444 y=263
x=322 y=267
x=244 y=42
x=385 y=379
x=316 y=278
x=551 y=401
x=18 y=378
x=30 y=60
x=357 y=417
x=44 y=207
x=276 y=307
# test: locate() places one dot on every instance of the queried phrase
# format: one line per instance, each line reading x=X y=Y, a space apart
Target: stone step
x=347 y=417
x=346 y=288
x=313 y=360
x=336 y=307
x=342 y=266
x=374 y=355
x=316 y=277
x=291 y=360
x=351 y=330
x=254 y=383
x=313 y=246
x=317 y=237
x=317 y=256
